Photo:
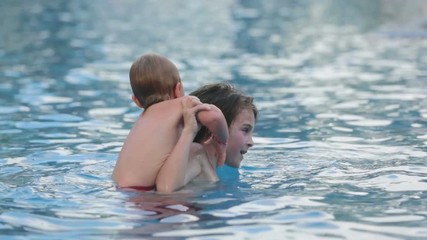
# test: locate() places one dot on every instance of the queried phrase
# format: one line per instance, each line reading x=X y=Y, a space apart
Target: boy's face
x=240 y=138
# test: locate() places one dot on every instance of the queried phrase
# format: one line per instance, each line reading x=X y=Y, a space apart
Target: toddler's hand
x=219 y=149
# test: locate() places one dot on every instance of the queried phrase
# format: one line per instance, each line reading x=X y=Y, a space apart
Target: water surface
x=341 y=139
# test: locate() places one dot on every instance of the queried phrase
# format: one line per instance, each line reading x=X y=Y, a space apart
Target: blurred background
x=340 y=139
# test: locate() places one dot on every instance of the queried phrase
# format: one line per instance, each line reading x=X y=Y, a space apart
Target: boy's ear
x=136 y=101
x=179 y=90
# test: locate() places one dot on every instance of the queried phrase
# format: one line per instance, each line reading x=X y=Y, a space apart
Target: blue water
x=341 y=139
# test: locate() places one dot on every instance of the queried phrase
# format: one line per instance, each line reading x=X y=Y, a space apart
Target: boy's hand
x=191 y=105
x=219 y=149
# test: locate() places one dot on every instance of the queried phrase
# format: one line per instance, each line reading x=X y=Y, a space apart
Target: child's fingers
x=201 y=107
x=220 y=149
x=193 y=98
x=191 y=101
x=221 y=157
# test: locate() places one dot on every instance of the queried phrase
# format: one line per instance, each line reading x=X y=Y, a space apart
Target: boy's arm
x=173 y=174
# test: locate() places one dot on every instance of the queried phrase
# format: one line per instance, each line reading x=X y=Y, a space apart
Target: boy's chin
x=233 y=164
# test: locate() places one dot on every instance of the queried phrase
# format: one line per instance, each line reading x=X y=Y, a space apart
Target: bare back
x=154 y=136
x=149 y=143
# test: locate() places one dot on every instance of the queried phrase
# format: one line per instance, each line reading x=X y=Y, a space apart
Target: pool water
x=341 y=139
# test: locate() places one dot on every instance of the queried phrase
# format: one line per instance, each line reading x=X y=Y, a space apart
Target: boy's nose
x=250 y=142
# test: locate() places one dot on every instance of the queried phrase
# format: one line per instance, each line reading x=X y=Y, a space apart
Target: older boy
x=240 y=113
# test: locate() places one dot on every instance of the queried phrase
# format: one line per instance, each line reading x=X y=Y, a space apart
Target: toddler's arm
x=173 y=174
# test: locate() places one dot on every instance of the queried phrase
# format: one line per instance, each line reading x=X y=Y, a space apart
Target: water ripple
x=340 y=139
x=38 y=223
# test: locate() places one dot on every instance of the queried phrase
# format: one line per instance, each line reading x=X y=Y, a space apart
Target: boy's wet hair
x=228 y=99
x=153 y=79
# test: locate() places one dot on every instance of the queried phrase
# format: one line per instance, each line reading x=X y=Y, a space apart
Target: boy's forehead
x=246 y=116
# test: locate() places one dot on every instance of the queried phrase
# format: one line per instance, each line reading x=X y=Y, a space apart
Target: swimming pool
x=341 y=139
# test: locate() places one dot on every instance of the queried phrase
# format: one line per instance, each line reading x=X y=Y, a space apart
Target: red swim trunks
x=142 y=188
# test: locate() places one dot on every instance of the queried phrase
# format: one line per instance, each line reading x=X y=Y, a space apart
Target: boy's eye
x=246 y=128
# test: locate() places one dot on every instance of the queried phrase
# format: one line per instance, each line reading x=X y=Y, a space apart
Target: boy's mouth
x=243 y=152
